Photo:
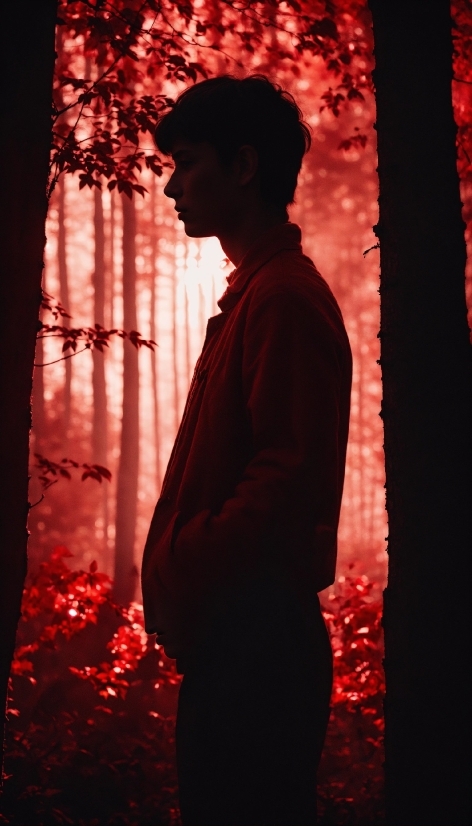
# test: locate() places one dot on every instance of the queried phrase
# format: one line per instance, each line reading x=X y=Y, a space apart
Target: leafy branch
x=96 y=337
x=151 y=42
x=51 y=472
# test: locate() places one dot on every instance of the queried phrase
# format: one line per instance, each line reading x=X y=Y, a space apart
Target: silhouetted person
x=244 y=533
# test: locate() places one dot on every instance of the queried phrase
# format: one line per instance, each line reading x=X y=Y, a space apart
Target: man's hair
x=228 y=113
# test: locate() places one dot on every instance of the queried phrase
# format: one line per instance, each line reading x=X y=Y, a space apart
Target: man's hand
x=174 y=627
x=169 y=631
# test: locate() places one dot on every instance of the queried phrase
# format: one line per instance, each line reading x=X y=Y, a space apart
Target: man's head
x=233 y=141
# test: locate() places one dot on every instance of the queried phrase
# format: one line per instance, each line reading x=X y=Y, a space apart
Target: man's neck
x=240 y=238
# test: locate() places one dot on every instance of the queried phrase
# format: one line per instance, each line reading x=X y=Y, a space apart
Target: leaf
x=140 y=189
x=354 y=94
x=103 y=471
x=325 y=28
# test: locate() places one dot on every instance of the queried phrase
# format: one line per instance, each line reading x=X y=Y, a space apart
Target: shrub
x=93 y=745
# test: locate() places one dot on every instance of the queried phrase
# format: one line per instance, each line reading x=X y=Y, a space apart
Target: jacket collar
x=282 y=237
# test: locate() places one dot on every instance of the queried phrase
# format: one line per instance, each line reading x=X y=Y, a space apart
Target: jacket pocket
x=157 y=572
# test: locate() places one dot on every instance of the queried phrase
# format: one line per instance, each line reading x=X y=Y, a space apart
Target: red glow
x=84 y=673
x=358 y=675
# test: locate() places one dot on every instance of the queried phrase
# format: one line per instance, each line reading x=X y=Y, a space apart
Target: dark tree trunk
x=127 y=486
x=99 y=420
x=427 y=411
x=28 y=54
x=65 y=301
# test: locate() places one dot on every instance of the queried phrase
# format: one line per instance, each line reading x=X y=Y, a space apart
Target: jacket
x=255 y=478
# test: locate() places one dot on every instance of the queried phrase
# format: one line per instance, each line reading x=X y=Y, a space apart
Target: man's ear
x=246 y=164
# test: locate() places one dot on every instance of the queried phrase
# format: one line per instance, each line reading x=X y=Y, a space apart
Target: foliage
x=51 y=472
x=354 y=619
x=351 y=771
x=87 y=744
x=92 y=744
x=71 y=599
x=462 y=86
x=95 y=337
x=117 y=61
x=68 y=601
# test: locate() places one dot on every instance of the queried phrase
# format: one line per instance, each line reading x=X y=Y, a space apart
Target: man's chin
x=192 y=230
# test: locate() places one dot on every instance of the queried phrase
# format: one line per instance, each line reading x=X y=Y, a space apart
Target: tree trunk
x=99 y=420
x=127 y=486
x=111 y=264
x=427 y=412
x=65 y=301
x=188 y=360
x=155 y=386
x=201 y=312
x=37 y=399
x=175 y=362
x=28 y=53
x=153 y=337
x=360 y=430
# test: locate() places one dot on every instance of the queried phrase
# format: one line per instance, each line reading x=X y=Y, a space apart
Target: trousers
x=252 y=713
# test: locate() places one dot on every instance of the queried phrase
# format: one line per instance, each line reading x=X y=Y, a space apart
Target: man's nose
x=172 y=188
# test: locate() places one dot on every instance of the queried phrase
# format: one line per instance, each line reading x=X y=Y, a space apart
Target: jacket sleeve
x=292 y=382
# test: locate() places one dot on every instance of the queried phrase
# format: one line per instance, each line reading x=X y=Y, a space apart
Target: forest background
x=117 y=257
x=128 y=264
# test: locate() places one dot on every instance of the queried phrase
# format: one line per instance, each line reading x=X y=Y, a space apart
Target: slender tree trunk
x=37 y=398
x=155 y=386
x=28 y=53
x=214 y=305
x=360 y=431
x=188 y=365
x=153 y=336
x=99 y=420
x=427 y=412
x=111 y=265
x=201 y=312
x=175 y=364
x=65 y=301
x=371 y=514
x=127 y=486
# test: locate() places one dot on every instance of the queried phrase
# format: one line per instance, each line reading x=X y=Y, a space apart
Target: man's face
x=207 y=194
